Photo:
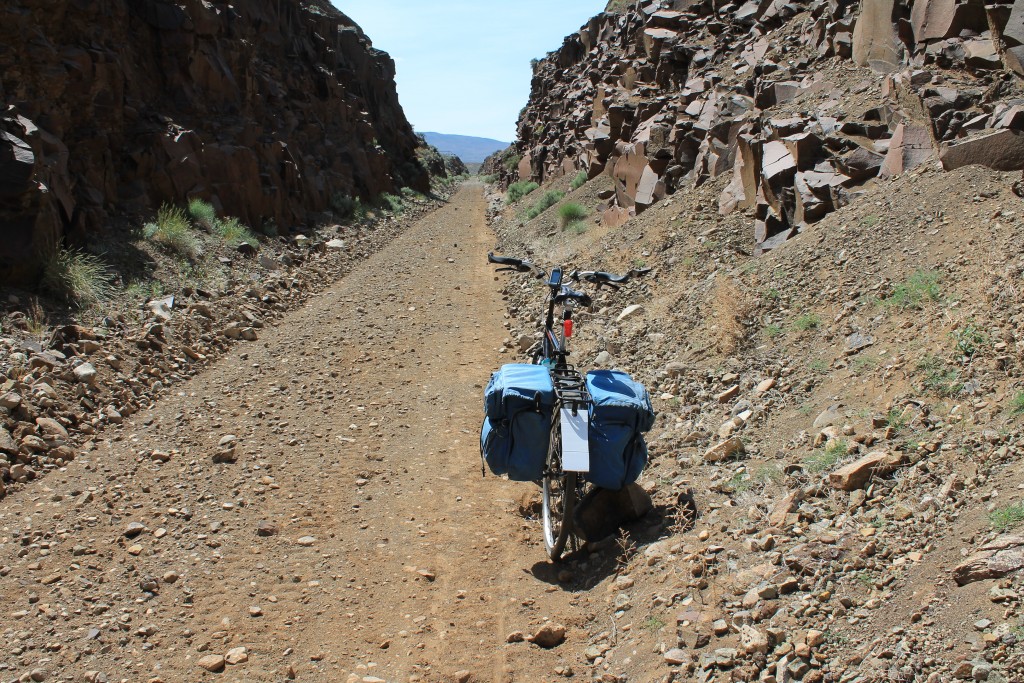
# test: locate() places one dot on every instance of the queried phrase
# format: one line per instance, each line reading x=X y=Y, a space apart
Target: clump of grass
x=760 y=478
x=579 y=181
x=173 y=230
x=729 y=308
x=939 y=377
x=1017 y=404
x=824 y=459
x=920 y=288
x=570 y=213
x=511 y=162
x=807 y=322
x=202 y=213
x=819 y=365
x=896 y=419
x=517 y=191
x=969 y=340
x=546 y=201
x=76 y=277
x=576 y=228
x=653 y=623
x=493 y=177
x=233 y=232
x=773 y=330
x=1007 y=517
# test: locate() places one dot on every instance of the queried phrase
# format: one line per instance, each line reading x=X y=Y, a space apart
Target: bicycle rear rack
x=570 y=388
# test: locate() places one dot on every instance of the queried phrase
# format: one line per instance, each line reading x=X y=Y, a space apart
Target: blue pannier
x=518 y=403
x=620 y=413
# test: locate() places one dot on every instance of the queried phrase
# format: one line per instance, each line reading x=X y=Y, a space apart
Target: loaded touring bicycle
x=547 y=422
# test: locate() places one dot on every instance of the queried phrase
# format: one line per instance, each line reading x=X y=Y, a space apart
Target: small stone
x=549 y=636
x=307 y=541
x=629 y=311
x=212 y=663
x=677 y=656
x=265 y=528
x=85 y=373
x=724 y=450
x=236 y=655
x=815 y=638
x=515 y=637
x=134 y=529
x=255 y=611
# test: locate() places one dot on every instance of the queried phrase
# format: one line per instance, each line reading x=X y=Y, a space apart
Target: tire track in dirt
x=357 y=418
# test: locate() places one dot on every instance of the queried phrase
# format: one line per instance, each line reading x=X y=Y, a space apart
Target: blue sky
x=464 y=65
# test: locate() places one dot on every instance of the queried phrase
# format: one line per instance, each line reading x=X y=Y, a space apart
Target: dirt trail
x=354 y=534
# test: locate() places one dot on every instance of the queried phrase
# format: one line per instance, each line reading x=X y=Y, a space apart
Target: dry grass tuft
x=729 y=308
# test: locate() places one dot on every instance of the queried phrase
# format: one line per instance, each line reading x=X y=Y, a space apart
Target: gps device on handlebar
x=555 y=279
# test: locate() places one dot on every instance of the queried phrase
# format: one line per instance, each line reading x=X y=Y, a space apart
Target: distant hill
x=471 y=150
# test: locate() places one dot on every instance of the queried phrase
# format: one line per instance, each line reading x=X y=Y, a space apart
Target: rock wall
x=666 y=95
x=267 y=108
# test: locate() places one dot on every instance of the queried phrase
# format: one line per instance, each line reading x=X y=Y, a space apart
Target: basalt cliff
x=267 y=108
x=664 y=96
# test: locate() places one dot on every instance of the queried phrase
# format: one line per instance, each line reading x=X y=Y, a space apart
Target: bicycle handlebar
x=510 y=263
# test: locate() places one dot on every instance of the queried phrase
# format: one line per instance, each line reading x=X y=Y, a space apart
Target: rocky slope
x=847 y=411
x=665 y=96
x=269 y=109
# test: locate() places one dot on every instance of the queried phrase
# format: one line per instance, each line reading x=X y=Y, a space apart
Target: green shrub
x=571 y=213
x=773 y=330
x=202 y=213
x=493 y=177
x=579 y=181
x=76 y=277
x=517 y=191
x=511 y=162
x=547 y=200
x=234 y=232
x=173 y=231
x=576 y=228
x=920 y=288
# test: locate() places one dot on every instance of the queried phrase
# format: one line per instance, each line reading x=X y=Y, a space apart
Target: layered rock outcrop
x=267 y=108
x=666 y=95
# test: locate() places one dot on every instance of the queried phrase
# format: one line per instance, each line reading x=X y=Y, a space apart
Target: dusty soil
x=352 y=539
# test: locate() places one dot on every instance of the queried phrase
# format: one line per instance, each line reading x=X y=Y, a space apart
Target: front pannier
x=620 y=413
x=518 y=403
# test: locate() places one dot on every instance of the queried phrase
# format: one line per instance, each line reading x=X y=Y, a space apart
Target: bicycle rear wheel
x=559 y=496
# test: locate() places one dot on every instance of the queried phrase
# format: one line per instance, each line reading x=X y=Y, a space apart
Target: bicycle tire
x=559 y=497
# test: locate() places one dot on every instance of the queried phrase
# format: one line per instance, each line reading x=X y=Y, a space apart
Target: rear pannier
x=620 y=413
x=518 y=403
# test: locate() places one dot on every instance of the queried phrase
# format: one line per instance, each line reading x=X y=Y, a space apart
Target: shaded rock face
x=267 y=108
x=667 y=95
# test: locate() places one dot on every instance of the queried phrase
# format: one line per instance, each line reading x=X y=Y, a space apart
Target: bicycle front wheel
x=559 y=497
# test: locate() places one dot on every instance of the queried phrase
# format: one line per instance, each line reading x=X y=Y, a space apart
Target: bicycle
x=562 y=484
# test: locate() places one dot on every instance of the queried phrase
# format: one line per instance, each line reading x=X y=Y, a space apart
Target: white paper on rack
x=575 y=444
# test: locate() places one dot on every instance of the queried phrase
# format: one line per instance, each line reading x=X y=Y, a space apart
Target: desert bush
x=517 y=191
x=576 y=227
x=390 y=202
x=234 y=232
x=173 y=231
x=77 y=278
x=203 y=214
x=570 y=213
x=546 y=201
x=343 y=205
x=511 y=162
x=579 y=181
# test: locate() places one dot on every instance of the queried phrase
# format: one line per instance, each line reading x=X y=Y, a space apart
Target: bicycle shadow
x=588 y=566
